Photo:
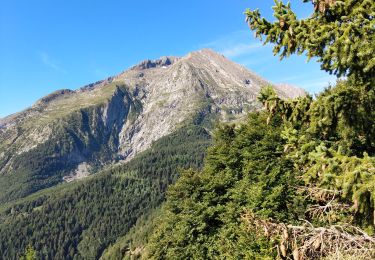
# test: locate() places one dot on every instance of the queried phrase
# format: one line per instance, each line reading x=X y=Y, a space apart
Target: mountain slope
x=79 y=220
x=140 y=126
x=70 y=134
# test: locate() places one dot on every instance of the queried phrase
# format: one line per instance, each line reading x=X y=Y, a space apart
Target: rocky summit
x=69 y=134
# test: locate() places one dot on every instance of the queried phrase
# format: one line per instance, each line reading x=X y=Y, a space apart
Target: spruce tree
x=30 y=254
x=332 y=138
x=341 y=34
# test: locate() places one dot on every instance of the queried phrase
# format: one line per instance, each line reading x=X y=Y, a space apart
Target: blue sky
x=47 y=45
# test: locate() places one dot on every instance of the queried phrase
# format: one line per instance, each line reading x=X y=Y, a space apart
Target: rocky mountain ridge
x=116 y=118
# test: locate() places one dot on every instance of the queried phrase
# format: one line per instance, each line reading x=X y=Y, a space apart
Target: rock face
x=162 y=62
x=117 y=118
x=290 y=90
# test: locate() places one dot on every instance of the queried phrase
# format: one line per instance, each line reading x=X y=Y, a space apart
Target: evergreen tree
x=333 y=136
x=30 y=254
x=340 y=33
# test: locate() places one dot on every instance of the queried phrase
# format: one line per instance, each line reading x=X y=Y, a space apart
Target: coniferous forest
x=79 y=221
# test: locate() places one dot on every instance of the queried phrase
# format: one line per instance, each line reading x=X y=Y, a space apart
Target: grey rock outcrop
x=116 y=118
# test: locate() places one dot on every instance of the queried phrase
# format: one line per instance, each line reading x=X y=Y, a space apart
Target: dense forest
x=296 y=181
x=79 y=220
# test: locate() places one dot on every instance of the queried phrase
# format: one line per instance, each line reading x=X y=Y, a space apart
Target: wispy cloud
x=241 y=49
x=237 y=45
x=254 y=60
x=228 y=40
x=49 y=62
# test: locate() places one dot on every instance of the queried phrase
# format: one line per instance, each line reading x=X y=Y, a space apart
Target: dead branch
x=309 y=242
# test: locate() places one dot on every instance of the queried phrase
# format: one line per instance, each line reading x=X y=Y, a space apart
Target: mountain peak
x=206 y=53
x=161 y=62
x=170 y=60
x=121 y=116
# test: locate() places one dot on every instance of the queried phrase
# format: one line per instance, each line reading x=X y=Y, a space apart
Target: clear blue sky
x=47 y=45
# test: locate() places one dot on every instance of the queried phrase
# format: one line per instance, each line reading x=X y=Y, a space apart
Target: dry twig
x=309 y=242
